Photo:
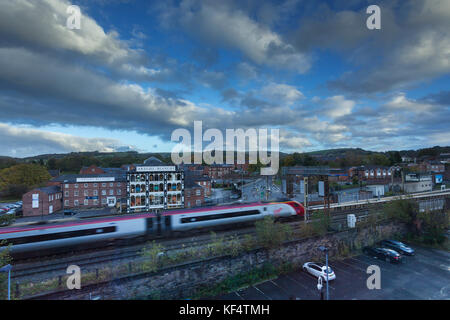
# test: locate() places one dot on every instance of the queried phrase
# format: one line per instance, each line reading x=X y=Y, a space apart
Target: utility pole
x=305 y=192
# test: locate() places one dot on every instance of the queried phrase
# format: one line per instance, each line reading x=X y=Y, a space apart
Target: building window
x=66 y=203
x=119 y=191
x=103 y=192
x=86 y=202
x=103 y=200
x=103 y=184
x=95 y=192
x=95 y=185
x=67 y=186
x=95 y=202
x=118 y=184
x=111 y=192
x=111 y=184
x=198 y=202
x=85 y=185
x=75 y=203
x=86 y=193
x=76 y=186
x=66 y=193
x=198 y=192
x=75 y=193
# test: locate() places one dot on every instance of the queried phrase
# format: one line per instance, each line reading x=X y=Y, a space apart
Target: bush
x=321 y=223
x=152 y=252
x=271 y=234
x=5 y=259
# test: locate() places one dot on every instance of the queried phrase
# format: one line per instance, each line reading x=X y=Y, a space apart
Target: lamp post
x=325 y=249
x=8 y=268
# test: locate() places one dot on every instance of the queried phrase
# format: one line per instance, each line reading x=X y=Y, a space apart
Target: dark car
x=69 y=213
x=398 y=246
x=383 y=253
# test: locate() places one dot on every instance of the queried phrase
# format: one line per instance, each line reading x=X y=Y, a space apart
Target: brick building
x=194 y=194
x=365 y=173
x=218 y=171
x=42 y=201
x=91 y=190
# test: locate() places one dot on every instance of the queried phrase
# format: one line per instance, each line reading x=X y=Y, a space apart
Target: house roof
x=50 y=190
x=72 y=178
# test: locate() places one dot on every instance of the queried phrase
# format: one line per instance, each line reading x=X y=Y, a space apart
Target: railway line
x=91 y=260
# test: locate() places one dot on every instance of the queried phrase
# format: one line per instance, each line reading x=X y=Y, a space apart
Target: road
x=255 y=191
x=423 y=277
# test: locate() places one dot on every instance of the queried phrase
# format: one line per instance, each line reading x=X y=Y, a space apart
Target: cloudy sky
x=137 y=70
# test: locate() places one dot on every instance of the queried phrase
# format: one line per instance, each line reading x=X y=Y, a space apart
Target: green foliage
x=271 y=234
x=20 y=178
x=298 y=159
x=5 y=259
x=321 y=223
x=6 y=162
x=267 y=271
x=152 y=253
x=6 y=219
x=403 y=210
x=433 y=227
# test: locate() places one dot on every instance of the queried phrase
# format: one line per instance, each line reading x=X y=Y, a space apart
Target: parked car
x=69 y=213
x=398 y=246
x=319 y=270
x=383 y=253
x=11 y=211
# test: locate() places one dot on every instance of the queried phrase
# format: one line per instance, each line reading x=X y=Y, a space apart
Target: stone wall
x=181 y=281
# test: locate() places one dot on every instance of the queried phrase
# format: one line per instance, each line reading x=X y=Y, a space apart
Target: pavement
x=425 y=276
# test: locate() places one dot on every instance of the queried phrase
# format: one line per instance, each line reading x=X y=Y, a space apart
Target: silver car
x=319 y=270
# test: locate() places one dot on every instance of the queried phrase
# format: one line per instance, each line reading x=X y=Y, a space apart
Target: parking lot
x=425 y=276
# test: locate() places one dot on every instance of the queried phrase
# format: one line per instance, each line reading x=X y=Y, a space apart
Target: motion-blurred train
x=60 y=236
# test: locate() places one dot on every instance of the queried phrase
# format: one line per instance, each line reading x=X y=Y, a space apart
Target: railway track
x=95 y=259
x=90 y=260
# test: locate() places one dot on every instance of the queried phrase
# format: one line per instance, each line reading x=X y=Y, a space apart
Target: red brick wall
x=93 y=169
x=69 y=191
x=191 y=197
x=44 y=203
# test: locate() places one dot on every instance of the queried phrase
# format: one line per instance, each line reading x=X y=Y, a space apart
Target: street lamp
x=325 y=249
x=8 y=268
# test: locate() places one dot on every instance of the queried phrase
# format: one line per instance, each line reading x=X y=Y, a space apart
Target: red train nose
x=299 y=209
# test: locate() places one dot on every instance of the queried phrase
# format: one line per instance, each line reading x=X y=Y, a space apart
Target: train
x=59 y=236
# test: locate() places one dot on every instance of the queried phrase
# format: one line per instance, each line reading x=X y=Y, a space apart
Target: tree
x=22 y=177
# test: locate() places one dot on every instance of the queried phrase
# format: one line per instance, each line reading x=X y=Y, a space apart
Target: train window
x=265 y=208
x=59 y=235
x=220 y=216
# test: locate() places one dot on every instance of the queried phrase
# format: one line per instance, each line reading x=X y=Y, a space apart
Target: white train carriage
x=46 y=237
x=203 y=218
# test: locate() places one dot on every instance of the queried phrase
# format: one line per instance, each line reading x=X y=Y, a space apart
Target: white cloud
x=218 y=23
x=283 y=93
x=22 y=142
x=338 y=106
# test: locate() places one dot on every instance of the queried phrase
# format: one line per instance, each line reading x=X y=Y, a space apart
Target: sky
x=136 y=71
